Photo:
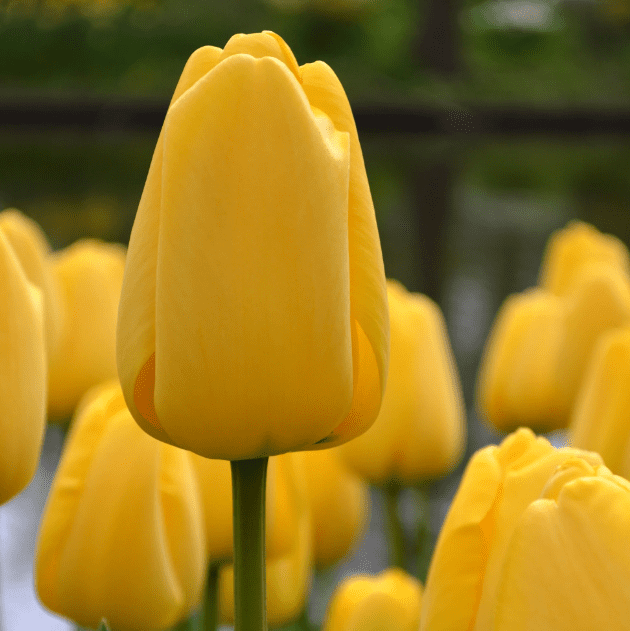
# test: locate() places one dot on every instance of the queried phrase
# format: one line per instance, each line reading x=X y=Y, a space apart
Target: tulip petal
x=368 y=296
x=568 y=564
x=251 y=324
x=22 y=375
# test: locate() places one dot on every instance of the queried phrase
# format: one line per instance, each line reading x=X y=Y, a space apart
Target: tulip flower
x=288 y=575
x=517 y=382
x=32 y=250
x=339 y=502
x=575 y=246
x=601 y=417
x=22 y=374
x=122 y=533
x=89 y=274
x=389 y=601
x=253 y=316
x=420 y=431
x=534 y=539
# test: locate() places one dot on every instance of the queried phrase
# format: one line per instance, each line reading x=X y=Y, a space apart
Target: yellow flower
x=339 y=501
x=534 y=539
x=89 y=273
x=288 y=575
x=32 y=250
x=122 y=533
x=390 y=601
x=22 y=374
x=215 y=486
x=576 y=245
x=420 y=431
x=601 y=417
x=253 y=315
x=517 y=381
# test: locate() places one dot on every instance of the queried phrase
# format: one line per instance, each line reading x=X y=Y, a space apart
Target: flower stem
x=248 y=504
x=395 y=529
x=209 y=613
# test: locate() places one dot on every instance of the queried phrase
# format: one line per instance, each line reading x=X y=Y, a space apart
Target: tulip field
x=316 y=315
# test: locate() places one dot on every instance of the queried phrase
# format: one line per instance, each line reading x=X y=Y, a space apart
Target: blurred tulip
x=22 y=374
x=420 y=431
x=32 y=250
x=215 y=485
x=576 y=245
x=517 y=381
x=601 y=416
x=339 y=503
x=287 y=575
x=89 y=273
x=534 y=539
x=253 y=317
x=389 y=601
x=122 y=532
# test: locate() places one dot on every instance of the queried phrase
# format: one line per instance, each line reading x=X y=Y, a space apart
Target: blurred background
x=484 y=126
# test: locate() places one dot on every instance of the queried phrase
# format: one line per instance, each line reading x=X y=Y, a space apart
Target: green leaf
x=104 y=626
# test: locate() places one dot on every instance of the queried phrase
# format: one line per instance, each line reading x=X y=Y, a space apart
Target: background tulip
x=89 y=273
x=467 y=570
x=420 y=431
x=390 y=601
x=288 y=575
x=22 y=374
x=570 y=249
x=32 y=250
x=122 y=532
x=253 y=316
x=339 y=504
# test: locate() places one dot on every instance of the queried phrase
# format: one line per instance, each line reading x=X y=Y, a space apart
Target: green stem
x=210 y=611
x=395 y=529
x=423 y=548
x=248 y=504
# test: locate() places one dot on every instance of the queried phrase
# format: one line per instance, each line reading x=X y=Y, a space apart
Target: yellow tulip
x=557 y=514
x=600 y=421
x=253 y=315
x=420 y=431
x=22 y=374
x=89 y=273
x=215 y=485
x=576 y=245
x=339 y=501
x=287 y=576
x=389 y=601
x=32 y=250
x=517 y=381
x=122 y=533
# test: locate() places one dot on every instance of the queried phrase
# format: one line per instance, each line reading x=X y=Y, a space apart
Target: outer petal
x=136 y=316
x=140 y=572
x=568 y=564
x=22 y=375
x=89 y=274
x=252 y=310
x=600 y=415
x=368 y=296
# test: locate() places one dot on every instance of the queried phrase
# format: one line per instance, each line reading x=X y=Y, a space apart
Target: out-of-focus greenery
x=534 y=51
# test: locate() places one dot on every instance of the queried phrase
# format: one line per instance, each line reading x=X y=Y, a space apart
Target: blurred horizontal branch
x=55 y=113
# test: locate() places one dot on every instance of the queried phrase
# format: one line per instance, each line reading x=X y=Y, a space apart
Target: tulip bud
x=420 y=431
x=122 y=533
x=32 y=250
x=288 y=575
x=517 y=381
x=339 y=502
x=536 y=527
x=253 y=315
x=22 y=374
x=390 y=601
x=89 y=273
x=570 y=249
x=600 y=419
